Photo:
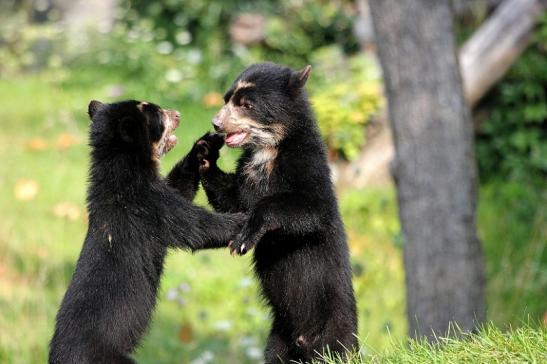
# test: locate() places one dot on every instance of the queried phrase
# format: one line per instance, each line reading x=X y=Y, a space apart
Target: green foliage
x=299 y=28
x=345 y=97
x=512 y=137
x=24 y=48
x=196 y=32
x=311 y=24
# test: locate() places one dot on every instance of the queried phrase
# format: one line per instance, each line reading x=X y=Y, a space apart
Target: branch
x=493 y=48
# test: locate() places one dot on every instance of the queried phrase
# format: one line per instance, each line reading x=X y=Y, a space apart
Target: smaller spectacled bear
x=134 y=217
x=282 y=181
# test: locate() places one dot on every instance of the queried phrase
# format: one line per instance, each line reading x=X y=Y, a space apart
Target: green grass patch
x=512 y=224
x=491 y=345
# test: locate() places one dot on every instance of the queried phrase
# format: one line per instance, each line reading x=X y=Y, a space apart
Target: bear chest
x=258 y=177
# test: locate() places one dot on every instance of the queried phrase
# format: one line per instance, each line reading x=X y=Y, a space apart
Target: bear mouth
x=168 y=140
x=236 y=139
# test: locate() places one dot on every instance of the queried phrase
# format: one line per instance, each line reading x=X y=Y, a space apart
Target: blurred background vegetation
x=55 y=56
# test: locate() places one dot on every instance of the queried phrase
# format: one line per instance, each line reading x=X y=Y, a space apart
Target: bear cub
x=134 y=216
x=282 y=181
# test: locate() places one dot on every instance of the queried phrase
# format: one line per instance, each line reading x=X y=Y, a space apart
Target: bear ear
x=298 y=78
x=127 y=129
x=93 y=107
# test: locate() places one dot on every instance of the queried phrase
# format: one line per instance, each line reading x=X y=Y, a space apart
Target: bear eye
x=246 y=104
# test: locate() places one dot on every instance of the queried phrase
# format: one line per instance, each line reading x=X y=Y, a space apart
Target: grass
x=513 y=229
x=491 y=345
x=208 y=309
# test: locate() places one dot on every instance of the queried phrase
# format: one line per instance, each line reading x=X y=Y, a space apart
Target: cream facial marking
x=141 y=105
x=241 y=129
x=242 y=85
x=171 y=120
x=261 y=164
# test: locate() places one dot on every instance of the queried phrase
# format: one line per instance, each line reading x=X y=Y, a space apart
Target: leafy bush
x=204 y=27
x=25 y=48
x=312 y=25
x=512 y=138
x=345 y=97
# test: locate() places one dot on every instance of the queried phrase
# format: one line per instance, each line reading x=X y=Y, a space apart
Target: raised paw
x=207 y=150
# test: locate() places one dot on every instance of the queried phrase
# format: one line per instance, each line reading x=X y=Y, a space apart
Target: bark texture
x=434 y=166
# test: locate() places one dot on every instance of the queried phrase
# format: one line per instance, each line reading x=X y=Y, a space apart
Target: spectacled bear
x=282 y=181
x=134 y=216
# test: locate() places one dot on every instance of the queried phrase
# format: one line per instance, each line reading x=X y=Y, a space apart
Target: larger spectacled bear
x=134 y=216
x=283 y=182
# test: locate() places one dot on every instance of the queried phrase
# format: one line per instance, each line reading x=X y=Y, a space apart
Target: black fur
x=301 y=255
x=134 y=216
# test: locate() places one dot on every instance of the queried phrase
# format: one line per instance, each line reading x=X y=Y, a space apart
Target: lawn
x=489 y=346
x=208 y=310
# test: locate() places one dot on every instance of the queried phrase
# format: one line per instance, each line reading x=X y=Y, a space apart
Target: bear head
x=264 y=104
x=132 y=126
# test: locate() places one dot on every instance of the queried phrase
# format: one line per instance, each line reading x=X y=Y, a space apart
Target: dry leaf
x=25 y=189
x=65 y=141
x=213 y=99
x=186 y=333
x=67 y=210
x=37 y=144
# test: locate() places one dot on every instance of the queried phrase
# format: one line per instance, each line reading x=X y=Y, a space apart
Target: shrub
x=345 y=97
x=512 y=137
x=204 y=26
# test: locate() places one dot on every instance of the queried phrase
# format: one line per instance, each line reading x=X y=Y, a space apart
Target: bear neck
x=122 y=173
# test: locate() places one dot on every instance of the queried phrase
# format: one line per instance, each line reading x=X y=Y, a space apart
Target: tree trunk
x=434 y=165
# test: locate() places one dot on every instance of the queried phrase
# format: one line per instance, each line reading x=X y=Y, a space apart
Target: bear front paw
x=241 y=245
x=207 y=150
